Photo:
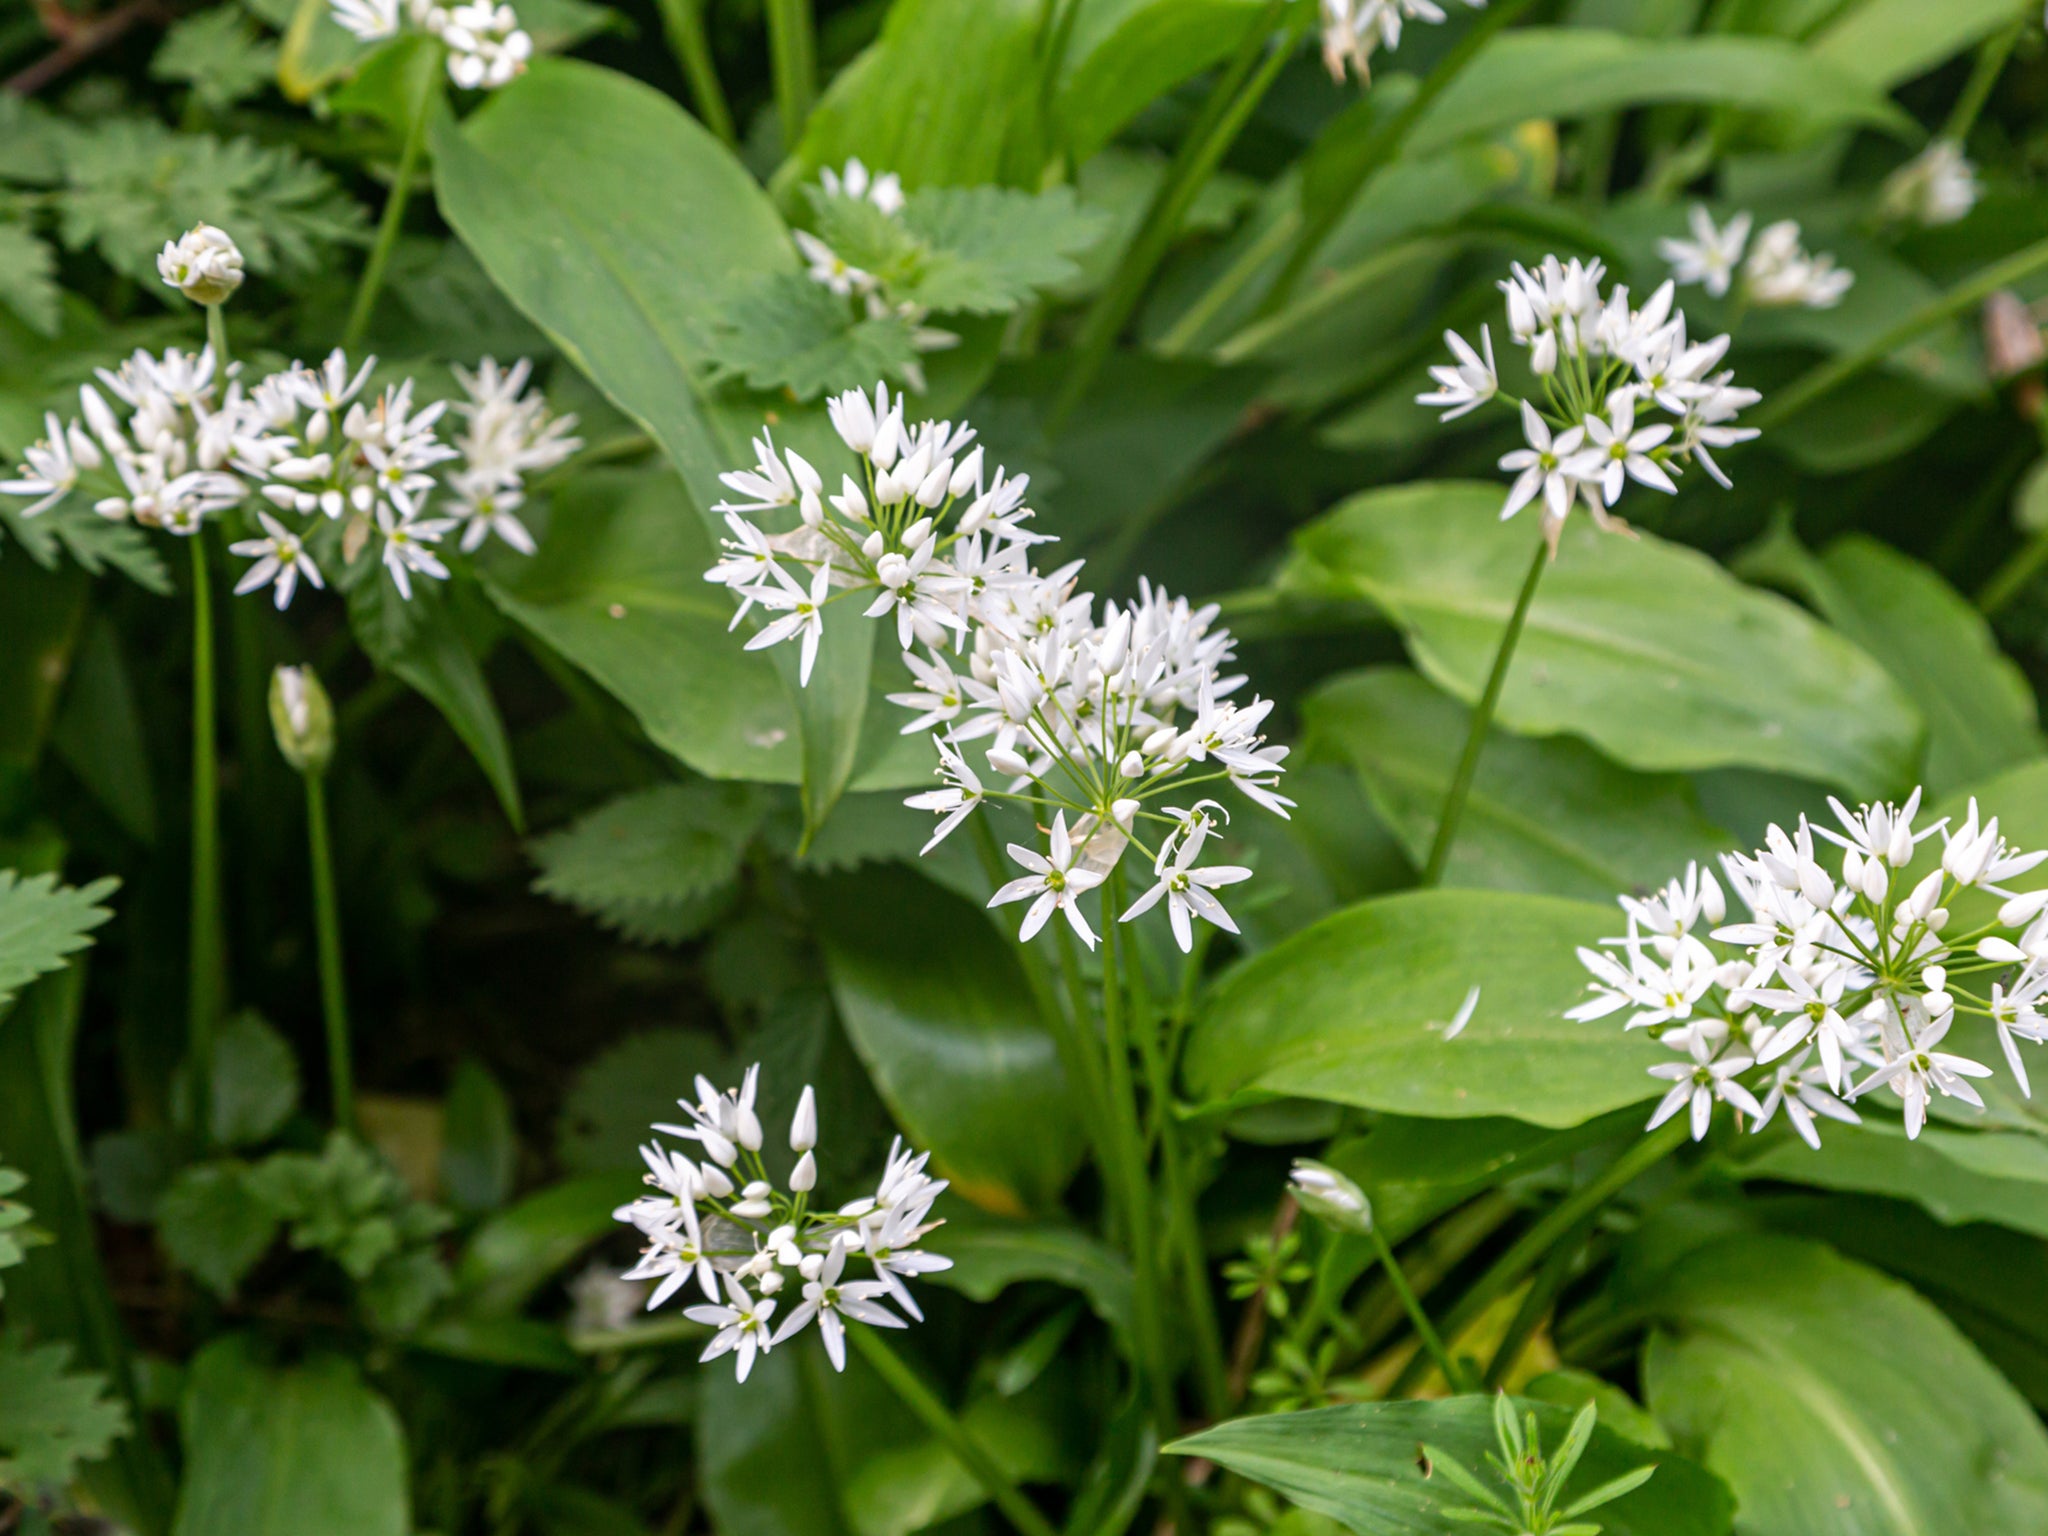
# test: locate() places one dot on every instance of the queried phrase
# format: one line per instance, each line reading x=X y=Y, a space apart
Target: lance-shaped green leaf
x=1123 y=55
x=1355 y=1009
x=1888 y=42
x=1834 y=1400
x=1647 y=649
x=1364 y=1464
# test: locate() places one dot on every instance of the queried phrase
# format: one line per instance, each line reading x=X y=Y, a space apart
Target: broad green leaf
x=308 y=1450
x=914 y=1487
x=1647 y=649
x=940 y=1014
x=99 y=734
x=651 y=854
x=988 y=1257
x=626 y=1087
x=1834 y=1400
x=1363 y=1464
x=255 y=1081
x=947 y=96
x=435 y=661
x=1544 y=815
x=1980 y=711
x=1533 y=72
x=213 y=1225
x=51 y=1416
x=1888 y=42
x=1954 y=1175
x=480 y=1149
x=1354 y=1009
x=43 y=923
x=515 y=1252
x=791 y=1412
x=1123 y=55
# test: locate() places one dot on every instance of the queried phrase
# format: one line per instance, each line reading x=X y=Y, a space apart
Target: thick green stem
x=1831 y=375
x=1381 y=149
x=333 y=989
x=1237 y=93
x=793 y=55
x=428 y=64
x=1425 y=1330
x=1482 y=721
x=203 y=959
x=683 y=23
x=966 y=1447
x=1530 y=1249
x=217 y=338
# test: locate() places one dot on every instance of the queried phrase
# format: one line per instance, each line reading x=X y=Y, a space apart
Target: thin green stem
x=1380 y=150
x=428 y=64
x=1529 y=1249
x=965 y=1445
x=1425 y=1330
x=1237 y=93
x=793 y=56
x=2013 y=577
x=333 y=989
x=682 y=21
x=1991 y=61
x=1482 y=721
x=1831 y=375
x=203 y=959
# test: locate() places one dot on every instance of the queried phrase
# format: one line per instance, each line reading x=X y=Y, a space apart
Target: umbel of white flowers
x=1832 y=973
x=338 y=468
x=1086 y=717
x=715 y=1218
x=486 y=48
x=1772 y=272
x=1354 y=29
x=1601 y=363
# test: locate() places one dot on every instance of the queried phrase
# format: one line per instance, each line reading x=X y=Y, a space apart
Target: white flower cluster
x=827 y=268
x=720 y=1221
x=1600 y=361
x=1354 y=29
x=1860 y=971
x=1937 y=186
x=486 y=48
x=1776 y=271
x=190 y=449
x=1093 y=716
x=203 y=264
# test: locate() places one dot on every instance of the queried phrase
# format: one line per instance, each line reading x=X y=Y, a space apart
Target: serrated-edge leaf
x=43 y=923
x=51 y=1417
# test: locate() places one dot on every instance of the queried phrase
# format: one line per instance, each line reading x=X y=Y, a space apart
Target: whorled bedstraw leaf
x=51 y=1417
x=127 y=181
x=42 y=922
x=783 y=331
x=653 y=863
x=991 y=248
x=28 y=277
x=219 y=55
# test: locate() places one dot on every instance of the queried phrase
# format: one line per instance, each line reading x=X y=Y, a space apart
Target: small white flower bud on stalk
x=803 y=1125
x=1330 y=1196
x=302 y=718
x=204 y=265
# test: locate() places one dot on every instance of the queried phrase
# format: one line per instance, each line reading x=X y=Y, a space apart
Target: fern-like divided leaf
x=51 y=1417
x=28 y=278
x=656 y=864
x=41 y=923
x=128 y=181
x=219 y=54
x=98 y=544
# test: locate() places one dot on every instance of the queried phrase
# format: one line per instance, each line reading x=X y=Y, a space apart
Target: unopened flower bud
x=1328 y=1195
x=769 y=1283
x=1125 y=813
x=2023 y=908
x=1132 y=765
x=204 y=265
x=917 y=533
x=2013 y=343
x=967 y=475
x=714 y=1180
x=2002 y=950
x=804 y=1177
x=803 y=1125
x=1876 y=881
x=302 y=718
x=806 y=478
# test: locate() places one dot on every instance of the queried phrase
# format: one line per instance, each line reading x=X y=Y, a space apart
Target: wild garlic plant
x=718 y=1220
x=1600 y=362
x=486 y=46
x=1089 y=718
x=1831 y=984
x=1773 y=271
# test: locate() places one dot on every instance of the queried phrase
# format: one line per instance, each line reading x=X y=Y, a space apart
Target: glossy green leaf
x=989 y=1257
x=1363 y=1464
x=947 y=96
x=1544 y=815
x=1125 y=54
x=1647 y=649
x=913 y=1487
x=1537 y=72
x=941 y=1016
x=309 y=1450
x=1834 y=1400
x=1888 y=42
x=1980 y=710
x=1954 y=1175
x=1354 y=1010
x=518 y=1250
